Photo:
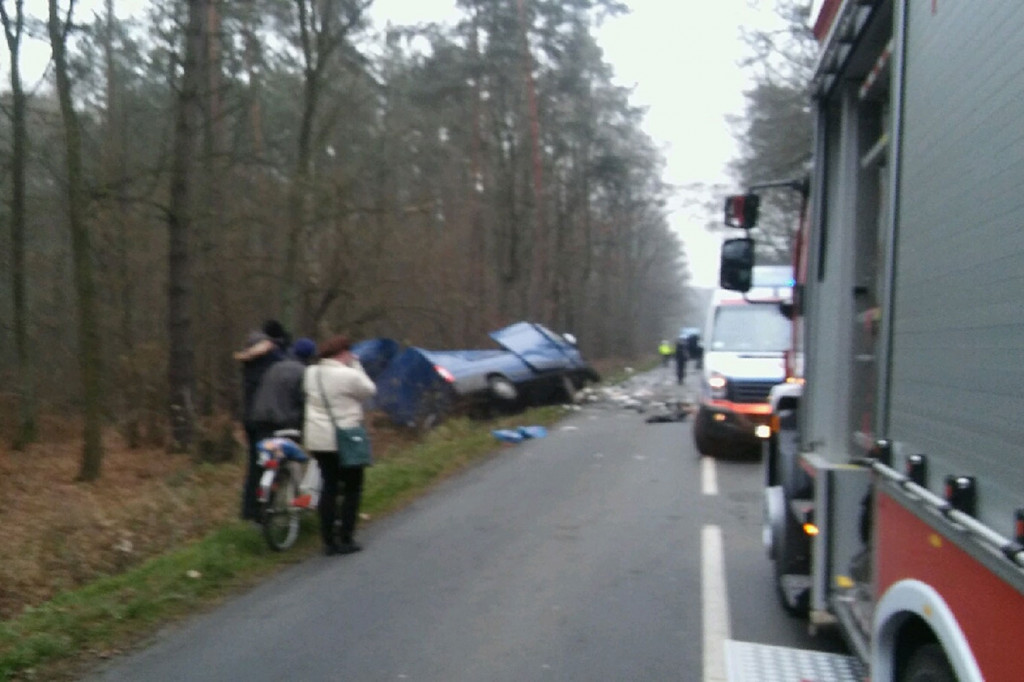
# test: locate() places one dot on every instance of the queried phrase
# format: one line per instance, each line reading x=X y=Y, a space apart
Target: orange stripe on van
x=741 y=408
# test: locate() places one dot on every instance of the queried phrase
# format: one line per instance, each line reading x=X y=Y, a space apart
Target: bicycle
x=287 y=470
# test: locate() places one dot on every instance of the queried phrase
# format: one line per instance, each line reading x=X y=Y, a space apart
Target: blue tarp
x=409 y=389
x=376 y=354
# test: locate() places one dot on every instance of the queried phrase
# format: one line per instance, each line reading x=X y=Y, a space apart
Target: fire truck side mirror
x=741 y=210
x=736 y=265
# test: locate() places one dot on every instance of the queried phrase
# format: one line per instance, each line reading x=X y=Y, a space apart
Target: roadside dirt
x=57 y=534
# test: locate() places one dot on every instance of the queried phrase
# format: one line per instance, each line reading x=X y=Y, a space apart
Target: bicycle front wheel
x=280 y=518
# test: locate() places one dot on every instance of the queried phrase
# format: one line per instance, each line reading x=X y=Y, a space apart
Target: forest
x=177 y=177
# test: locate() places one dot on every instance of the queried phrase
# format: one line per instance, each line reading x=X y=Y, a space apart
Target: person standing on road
x=337 y=385
x=693 y=349
x=681 y=357
x=665 y=351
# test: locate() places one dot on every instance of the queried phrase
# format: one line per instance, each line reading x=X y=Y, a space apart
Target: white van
x=746 y=337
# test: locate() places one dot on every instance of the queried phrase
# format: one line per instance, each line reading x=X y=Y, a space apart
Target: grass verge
x=64 y=636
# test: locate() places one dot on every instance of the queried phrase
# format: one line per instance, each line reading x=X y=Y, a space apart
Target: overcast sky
x=681 y=57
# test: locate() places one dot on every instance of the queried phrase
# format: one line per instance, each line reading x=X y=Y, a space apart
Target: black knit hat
x=274 y=330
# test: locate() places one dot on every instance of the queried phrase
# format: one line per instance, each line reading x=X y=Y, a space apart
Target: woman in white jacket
x=337 y=385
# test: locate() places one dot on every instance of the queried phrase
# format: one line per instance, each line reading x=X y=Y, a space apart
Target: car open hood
x=539 y=347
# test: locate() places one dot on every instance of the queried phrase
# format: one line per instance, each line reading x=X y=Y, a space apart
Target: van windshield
x=759 y=327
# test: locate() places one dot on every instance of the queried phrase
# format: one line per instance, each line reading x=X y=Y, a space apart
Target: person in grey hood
x=280 y=400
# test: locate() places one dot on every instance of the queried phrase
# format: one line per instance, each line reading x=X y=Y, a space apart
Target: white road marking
x=708 y=476
x=714 y=603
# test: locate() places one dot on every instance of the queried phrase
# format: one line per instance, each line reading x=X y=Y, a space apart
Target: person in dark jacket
x=261 y=351
x=280 y=400
x=279 y=403
x=693 y=349
x=682 y=355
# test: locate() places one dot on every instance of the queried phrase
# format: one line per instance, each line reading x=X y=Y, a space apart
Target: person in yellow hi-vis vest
x=665 y=351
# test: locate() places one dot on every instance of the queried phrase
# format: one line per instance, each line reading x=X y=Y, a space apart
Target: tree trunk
x=323 y=29
x=538 y=305
x=314 y=52
x=181 y=360
x=27 y=429
x=211 y=281
x=85 y=287
x=130 y=390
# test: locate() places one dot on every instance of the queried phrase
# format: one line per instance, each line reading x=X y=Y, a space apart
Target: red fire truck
x=894 y=469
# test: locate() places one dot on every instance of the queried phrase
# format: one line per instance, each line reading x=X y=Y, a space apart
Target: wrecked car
x=533 y=366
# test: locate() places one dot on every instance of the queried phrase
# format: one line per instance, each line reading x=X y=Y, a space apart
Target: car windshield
x=750 y=327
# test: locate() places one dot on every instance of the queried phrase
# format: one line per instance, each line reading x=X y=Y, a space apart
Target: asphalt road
x=573 y=557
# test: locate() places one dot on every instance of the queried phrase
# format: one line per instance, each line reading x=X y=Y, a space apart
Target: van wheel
x=703 y=444
x=706 y=445
x=711 y=447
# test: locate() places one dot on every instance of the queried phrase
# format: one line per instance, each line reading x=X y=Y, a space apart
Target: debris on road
x=675 y=412
x=519 y=434
x=655 y=393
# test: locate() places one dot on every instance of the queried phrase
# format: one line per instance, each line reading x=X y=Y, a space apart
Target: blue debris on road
x=519 y=434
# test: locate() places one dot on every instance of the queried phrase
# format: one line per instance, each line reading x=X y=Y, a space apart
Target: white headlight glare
x=718 y=384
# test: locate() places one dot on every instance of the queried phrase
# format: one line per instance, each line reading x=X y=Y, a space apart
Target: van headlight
x=718 y=385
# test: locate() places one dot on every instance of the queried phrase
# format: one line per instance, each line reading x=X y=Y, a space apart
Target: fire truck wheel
x=795 y=599
x=928 y=664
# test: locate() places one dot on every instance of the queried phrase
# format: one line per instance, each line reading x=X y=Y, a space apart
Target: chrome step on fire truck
x=894 y=468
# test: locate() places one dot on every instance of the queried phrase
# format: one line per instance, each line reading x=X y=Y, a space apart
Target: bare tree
x=775 y=131
x=88 y=321
x=14 y=27
x=324 y=27
x=113 y=176
x=180 y=221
